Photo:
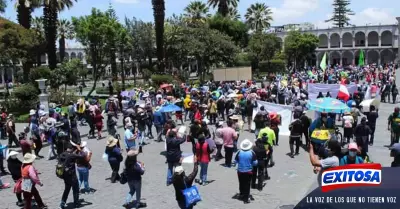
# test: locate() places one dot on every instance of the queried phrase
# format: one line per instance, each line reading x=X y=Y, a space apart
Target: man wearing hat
x=245 y=159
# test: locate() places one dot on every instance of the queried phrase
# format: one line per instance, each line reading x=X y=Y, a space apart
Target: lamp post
x=43 y=96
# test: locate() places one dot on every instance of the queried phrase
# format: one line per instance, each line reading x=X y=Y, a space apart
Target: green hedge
x=242 y=60
x=160 y=79
x=272 y=66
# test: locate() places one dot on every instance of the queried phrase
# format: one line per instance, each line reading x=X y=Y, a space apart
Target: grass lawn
x=24 y=117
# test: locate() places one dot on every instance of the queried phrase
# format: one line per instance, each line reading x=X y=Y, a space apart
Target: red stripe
x=374 y=166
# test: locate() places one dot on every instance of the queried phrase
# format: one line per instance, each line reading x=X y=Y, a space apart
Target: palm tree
x=24 y=11
x=38 y=28
x=233 y=13
x=159 y=15
x=50 y=13
x=223 y=5
x=258 y=16
x=65 y=31
x=196 y=12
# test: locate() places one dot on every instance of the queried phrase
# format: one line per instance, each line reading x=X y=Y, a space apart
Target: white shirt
x=348 y=121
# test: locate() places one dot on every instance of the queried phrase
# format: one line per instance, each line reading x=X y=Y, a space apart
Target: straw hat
x=111 y=141
x=29 y=158
x=234 y=117
x=179 y=170
x=32 y=112
x=246 y=145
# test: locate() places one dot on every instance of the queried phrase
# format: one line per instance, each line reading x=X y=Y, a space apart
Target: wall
x=232 y=74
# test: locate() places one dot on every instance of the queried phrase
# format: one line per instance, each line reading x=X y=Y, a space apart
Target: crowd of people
x=218 y=113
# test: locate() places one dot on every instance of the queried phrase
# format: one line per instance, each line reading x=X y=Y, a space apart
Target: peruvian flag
x=343 y=93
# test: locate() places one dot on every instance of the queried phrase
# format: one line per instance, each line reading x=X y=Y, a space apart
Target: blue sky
x=284 y=11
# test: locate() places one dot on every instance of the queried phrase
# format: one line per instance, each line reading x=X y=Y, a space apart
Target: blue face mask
x=352 y=153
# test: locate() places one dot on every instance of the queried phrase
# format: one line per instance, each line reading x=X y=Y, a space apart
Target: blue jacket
x=158 y=119
x=245 y=161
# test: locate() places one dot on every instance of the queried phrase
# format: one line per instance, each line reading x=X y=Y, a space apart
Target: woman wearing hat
x=245 y=160
x=114 y=157
x=14 y=166
x=133 y=172
x=29 y=180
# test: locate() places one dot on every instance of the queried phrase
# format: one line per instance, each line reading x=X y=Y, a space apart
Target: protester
x=83 y=166
x=10 y=127
x=351 y=157
x=133 y=171
x=181 y=182
x=174 y=153
x=395 y=153
x=14 y=166
x=371 y=122
x=296 y=129
x=245 y=159
x=30 y=179
x=203 y=151
x=114 y=157
x=260 y=168
x=229 y=135
x=98 y=121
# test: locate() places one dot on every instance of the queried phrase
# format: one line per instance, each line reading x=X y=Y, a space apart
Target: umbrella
x=131 y=93
x=165 y=85
x=170 y=108
x=328 y=105
x=367 y=103
x=125 y=94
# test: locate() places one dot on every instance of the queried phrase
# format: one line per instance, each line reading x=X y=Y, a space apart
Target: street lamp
x=43 y=96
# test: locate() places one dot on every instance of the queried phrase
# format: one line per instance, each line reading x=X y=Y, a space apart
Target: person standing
x=159 y=122
x=362 y=133
x=348 y=122
x=351 y=157
x=98 y=121
x=275 y=122
x=114 y=157
x=395 y=92
x=83 y=166
x=10 y=128
x=306 y=121
x=203 y=152
x=218 y=140
x=212 y=108
x=174 y=153
x=371 y=122
x=245 y=159
x=14 y=166
x=187 y=103
x=296 y=130
x=181 y=182
x=133 y=172
x=260 y=168
x=395 y=153
x=30 y=179
x=68 y=159
x=130 y=137
x=229 y=135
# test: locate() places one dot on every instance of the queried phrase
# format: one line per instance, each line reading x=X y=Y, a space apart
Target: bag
x=26 y=185
x=123 y=178
x=18 y=186
x=191 y=195
x=61 y=168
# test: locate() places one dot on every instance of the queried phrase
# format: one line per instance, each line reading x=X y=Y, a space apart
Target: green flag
x=323 y=62
x=361 y=58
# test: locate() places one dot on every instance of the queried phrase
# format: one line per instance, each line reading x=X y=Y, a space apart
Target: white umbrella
x=367 y=103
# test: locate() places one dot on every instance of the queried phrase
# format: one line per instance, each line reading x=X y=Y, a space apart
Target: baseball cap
x=395 y=148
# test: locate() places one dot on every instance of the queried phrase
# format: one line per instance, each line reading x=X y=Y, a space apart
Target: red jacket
x=98 y=120
x=203 y=152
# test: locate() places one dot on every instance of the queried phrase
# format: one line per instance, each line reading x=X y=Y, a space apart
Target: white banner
x=284 y=111
x=333 y=89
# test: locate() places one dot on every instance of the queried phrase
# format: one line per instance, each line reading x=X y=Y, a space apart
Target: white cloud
x=373 y=16
x=368 y=16
x=293 y=9
x=127 y=1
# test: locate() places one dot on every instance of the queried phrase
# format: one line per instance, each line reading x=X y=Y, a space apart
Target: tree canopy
x=300 y=46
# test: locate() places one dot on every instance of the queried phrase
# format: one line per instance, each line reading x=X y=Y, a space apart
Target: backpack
x=61 y=168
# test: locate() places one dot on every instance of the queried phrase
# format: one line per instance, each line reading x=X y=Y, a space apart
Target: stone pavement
x=290 y=178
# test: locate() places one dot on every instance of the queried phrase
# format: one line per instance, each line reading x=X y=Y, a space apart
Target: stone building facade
x=380 y=44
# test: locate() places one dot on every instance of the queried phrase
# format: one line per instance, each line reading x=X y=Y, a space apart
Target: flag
x=361 y=58
x=343 y=93
x=323 y=62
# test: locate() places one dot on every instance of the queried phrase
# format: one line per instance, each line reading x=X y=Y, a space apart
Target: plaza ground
x=290 y=180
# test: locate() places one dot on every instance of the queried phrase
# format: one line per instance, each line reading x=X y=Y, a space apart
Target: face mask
x=352 y=153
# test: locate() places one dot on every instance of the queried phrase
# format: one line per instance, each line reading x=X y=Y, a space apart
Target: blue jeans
x=203 y=172
x=83 y=173
x=170 y=171
x=51 y=151
x=141 y=135
x=135 y=186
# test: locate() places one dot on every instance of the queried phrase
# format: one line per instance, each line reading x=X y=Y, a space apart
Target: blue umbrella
x=328 y=105
x=170 y=108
